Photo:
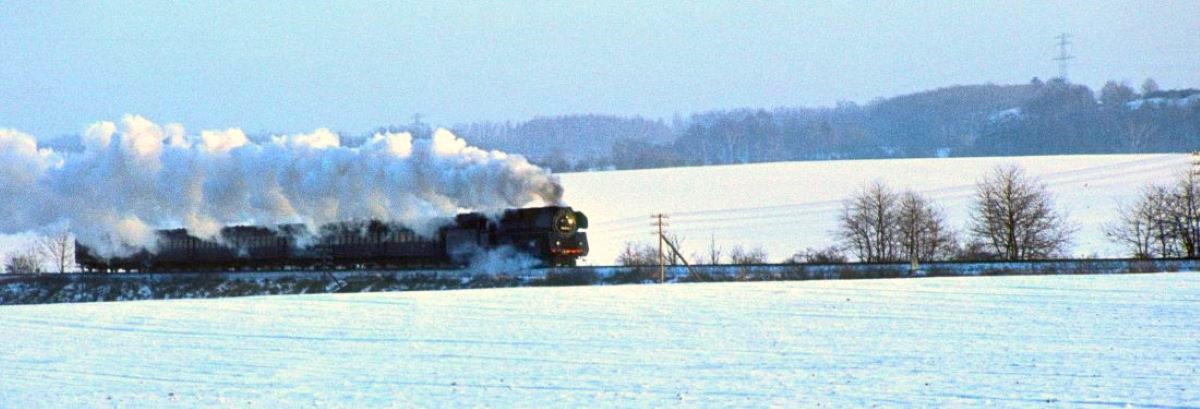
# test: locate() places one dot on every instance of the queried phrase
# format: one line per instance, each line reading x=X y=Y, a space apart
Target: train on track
x=552 y=235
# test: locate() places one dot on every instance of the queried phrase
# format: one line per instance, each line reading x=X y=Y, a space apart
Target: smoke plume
x=135 y=177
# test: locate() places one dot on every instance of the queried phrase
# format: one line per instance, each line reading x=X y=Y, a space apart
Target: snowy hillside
x=786 y=207
x=1073 y=340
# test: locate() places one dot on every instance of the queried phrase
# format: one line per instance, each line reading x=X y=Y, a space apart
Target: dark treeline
x=1053 y=117
x=574 y=142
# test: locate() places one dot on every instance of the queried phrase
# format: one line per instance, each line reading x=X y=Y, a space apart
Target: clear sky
x=352 y=66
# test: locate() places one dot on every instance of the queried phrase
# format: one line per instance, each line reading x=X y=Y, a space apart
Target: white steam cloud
x=135 y=177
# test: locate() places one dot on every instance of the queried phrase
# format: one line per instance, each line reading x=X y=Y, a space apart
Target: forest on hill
x=1037 y=118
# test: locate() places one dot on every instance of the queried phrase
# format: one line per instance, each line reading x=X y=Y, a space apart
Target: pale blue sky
x=353 y=66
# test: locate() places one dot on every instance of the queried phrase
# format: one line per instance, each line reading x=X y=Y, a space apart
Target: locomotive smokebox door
x=565 y=222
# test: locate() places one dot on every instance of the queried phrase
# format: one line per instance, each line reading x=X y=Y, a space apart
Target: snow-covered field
x=786 y=207
x=1068 y=340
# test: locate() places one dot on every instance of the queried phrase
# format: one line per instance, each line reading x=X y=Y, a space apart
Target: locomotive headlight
x=565 y=223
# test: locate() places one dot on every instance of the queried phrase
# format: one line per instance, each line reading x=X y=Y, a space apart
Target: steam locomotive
x=551 y=235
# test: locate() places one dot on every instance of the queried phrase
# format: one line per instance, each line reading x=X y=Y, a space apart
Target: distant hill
x=1037 y=118
x=565 y=142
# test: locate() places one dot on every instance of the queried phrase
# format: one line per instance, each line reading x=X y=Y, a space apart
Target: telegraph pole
x=1063 y=57
x=662 y=262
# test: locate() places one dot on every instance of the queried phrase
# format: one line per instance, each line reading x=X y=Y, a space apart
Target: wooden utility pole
x=662 y=267
x=675 y=251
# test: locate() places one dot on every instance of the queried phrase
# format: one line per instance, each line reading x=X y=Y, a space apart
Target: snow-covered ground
x=1069 y=340
x=786 y=207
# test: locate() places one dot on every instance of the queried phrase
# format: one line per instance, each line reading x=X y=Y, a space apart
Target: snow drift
x=134 y=177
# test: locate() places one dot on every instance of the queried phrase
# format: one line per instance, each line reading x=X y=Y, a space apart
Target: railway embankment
x=68 y=288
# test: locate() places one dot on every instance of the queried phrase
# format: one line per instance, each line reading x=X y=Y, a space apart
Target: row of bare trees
x=1164 y=222
x=1013 y=218
x=642 y=254
x=878 y=224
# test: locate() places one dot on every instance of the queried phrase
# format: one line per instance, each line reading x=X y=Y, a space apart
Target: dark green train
x=553 y=236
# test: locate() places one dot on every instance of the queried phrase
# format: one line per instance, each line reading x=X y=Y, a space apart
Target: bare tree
x=827 y=255
x=1133 y=230
x=740 y=256
x=643 y=262
x=24 y=262
x=58 y=249
x=1145 y=228
x=1165 y=221
x=923 y=233
x=638 y=254
x=1159 y=201
x=1015 y=216
x=974 y=250
x=1183 y=212
x=866 y=226
x=714 y=252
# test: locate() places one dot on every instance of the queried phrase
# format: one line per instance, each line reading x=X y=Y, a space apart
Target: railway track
x=678 y=272
x=77 y=287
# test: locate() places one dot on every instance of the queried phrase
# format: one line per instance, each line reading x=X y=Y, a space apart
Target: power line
x=1063 y=57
